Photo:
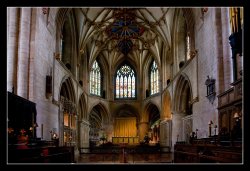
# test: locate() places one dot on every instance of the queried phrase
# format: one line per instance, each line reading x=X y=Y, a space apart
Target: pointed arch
x=95 y=79
x=152 y=117
x=151 y=111
x=154 y=77
x=183 y=95
x=66 y=39
x=126 y=120
x=125 y=81
x=102 y=111
x=67 y=89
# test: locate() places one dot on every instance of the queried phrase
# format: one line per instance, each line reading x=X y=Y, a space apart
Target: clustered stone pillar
x=177 y=127
x=12 y=44
x=23 y=53
x=84 y=136
x=227 y=60
x=143 y=130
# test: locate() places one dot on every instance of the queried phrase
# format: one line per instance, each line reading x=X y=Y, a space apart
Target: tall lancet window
x=154 y=78
x=188 y=46
x=95 y=79
x=125 y=82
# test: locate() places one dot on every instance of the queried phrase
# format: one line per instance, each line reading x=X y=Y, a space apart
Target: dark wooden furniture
x=41 y=155
x=200 y=153
x=230 y=103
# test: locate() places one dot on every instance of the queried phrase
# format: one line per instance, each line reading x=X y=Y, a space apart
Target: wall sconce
x=210 y=127
x=54 y=136
x=210 y=83
x=237 y=116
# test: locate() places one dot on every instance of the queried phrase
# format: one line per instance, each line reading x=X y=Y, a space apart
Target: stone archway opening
x=153 y=124
x=98 y=126
x=182 y=115
x=125 y=128
x=67 y=115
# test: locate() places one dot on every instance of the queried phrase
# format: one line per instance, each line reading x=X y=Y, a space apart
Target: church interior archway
x=98 y=121
x=68 y=114
x=182 y=116
x=126 y=125
x=153 y=118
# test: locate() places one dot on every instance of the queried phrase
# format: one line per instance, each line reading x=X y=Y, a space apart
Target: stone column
x=84 y=136
x=143 y=130
x=227 y=60
x=61 y=124
x=165 y=133
x=177 y=129
x=12 y=39
x=23 y=53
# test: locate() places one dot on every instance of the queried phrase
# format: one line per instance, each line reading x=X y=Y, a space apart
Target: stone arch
x=66 y=42
x=182 y=113
x=183 y=25
x=183 y=95
x=128 y=61
x=149 y=107
x=67 y=112
x=102 y=110
x=98 y=123
x=67 y=89
x=150 y=124
x=126 y=110
x=128 y=116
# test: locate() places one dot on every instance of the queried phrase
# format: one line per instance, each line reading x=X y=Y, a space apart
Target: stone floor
x=124 y=158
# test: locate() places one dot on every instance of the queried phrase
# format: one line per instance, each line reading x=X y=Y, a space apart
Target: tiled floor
x=124 y=158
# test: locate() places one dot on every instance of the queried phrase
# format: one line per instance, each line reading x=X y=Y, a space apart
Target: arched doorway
x=98 y=125
x=125 y=129
x=67 y=114
x=152 y=117
x=182 y=115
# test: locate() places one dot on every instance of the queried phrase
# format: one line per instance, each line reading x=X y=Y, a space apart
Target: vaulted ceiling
x=134 y=33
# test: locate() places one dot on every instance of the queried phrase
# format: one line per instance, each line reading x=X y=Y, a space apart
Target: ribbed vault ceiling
x=92 y=24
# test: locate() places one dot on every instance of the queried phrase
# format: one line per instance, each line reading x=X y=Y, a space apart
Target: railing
x=231 y=95
x=128 y=140
x=126 y=154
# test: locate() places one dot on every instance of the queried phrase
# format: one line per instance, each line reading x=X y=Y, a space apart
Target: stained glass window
x=125 y=82
x=95 y=79
x=154 y=78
